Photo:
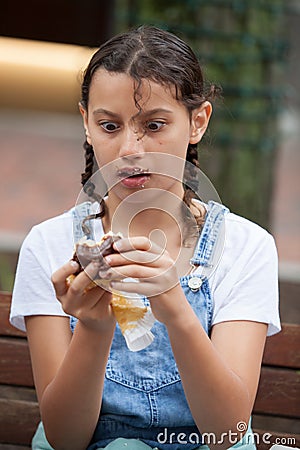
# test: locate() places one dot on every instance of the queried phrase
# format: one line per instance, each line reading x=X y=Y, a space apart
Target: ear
x=84 y=114
x=199 y=122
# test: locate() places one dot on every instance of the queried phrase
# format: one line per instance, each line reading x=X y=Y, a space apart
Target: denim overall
x=143 y=398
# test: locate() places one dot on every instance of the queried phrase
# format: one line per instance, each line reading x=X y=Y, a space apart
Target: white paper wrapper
x=135 y=320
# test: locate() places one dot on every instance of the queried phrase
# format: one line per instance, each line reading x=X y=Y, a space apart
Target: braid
x=192 y=155
x=189 y=192
x=89 y=163
x=89 y=187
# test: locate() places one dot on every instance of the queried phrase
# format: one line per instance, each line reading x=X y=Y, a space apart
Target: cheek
x=103 y=150
x=103 y=158
x=177 y=138
x=176 y=146
x=182 y=135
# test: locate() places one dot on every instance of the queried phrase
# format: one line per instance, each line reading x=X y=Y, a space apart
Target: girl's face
x=136 y=141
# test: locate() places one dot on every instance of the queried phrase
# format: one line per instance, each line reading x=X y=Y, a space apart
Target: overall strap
x=210 y=235
x=80 y=212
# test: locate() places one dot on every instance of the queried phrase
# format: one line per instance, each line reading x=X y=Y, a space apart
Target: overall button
x=195 y=284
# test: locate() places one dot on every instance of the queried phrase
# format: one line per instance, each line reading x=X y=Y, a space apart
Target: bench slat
x=18 y=420
x=278 y=392
x=15 y=365
x=14 y=447
x=26 y=394
x=282 y=349
x=6 y=329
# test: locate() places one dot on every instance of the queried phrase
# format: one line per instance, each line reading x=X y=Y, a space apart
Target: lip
x=133 y=177
x=125 y=172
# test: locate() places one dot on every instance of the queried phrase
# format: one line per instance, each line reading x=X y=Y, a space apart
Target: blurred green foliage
x=242 y=46
x=8 y=263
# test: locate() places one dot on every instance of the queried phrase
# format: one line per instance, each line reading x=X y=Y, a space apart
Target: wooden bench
x=19 y=412
x=276 y=411
x=277 y=405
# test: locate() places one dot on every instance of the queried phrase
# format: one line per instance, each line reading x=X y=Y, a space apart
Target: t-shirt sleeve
x=33 y=292
x=247 y=288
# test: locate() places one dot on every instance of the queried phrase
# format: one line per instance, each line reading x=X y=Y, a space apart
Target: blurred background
x=251 y=153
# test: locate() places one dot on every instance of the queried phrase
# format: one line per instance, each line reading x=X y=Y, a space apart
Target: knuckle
x=69 y=310
x=74 y=290
x=54 y=278
x=65 y=306
x=147 y=242
x=143 y=242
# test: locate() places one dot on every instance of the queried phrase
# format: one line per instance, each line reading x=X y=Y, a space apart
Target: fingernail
x=118 y=245
x=107 y=259
x=74 y=264
x=105 y=274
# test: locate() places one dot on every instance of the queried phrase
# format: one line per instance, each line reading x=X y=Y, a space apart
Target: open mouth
x=133 y=177
x=127 y=172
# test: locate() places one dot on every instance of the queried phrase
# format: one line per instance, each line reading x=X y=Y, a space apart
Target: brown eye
x=110 y=127
x=155 y=125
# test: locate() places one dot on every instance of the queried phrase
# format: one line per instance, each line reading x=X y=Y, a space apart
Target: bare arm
x=69 y=370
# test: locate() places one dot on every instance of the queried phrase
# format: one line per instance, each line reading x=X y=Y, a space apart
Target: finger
x=59 y=276
x=136 y=243
x=122 y=272
x=130 y=257
x=93 y=296
x=136 y=271
x=84 y=279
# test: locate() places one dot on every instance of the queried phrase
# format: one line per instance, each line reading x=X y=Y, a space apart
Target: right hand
x=90 y=306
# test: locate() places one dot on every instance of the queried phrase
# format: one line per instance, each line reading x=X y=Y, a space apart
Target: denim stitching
x=209 y=235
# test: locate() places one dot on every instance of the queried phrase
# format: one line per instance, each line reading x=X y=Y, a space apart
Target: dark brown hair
x=149 y=53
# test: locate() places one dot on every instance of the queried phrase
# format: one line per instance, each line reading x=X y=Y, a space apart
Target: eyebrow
x=144 y=113
x=157 y=111
x=105 y=111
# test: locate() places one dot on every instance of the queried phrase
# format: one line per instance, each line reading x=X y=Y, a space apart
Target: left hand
x=90 y=306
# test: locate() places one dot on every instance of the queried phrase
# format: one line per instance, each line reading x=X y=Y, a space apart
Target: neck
x=148 y=213
x=163 y=224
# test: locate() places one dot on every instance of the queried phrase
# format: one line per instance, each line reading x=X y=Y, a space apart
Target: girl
x=144 y=102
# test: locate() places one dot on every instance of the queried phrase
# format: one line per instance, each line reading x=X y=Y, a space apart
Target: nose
x=132 y=142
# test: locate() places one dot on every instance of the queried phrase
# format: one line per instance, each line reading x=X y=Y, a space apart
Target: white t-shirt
x=244 y=285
